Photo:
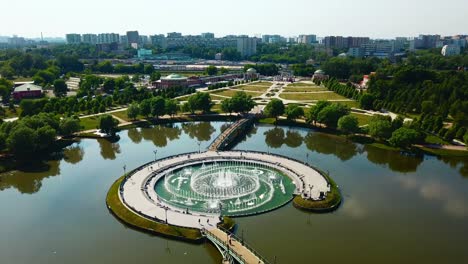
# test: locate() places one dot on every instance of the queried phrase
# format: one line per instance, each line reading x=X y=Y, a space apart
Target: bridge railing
x=225 y=244
x=246 y=245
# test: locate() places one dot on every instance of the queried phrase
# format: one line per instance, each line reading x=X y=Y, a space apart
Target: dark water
x=396 y=209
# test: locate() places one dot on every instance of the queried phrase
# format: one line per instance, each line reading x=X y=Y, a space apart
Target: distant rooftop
x=28 y=87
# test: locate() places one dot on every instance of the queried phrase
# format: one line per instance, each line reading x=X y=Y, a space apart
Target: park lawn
x=313 y=96
x=183 y=98
x=362 y=119
x=431 y=139
x=89 y=123
x=216 y=97
x=252 y=88
x=216 y=108
x=230 y=93
x=301 y=85
x=266 y=84
x=123 y=115
x=11 y=114
x=305 y=89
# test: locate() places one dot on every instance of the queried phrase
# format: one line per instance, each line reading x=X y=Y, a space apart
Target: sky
x=370 y=18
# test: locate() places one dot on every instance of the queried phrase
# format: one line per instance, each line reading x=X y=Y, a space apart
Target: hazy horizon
x=375 y=19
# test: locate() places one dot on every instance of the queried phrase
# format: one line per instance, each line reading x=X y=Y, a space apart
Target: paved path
x=138 y=196
x=218 y=143
x=235 y=246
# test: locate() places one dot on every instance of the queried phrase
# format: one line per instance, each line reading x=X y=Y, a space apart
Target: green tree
x=60 y=88
x=274 y=108
x=157 y=106
x=155 y=76
x=109 y=85
x=330 y=114
x=22 y=141
x=108 y=124
x=241 y=102
x=403 y=137
x=69 y=125
x=6 y=87
x=46 y=136
x=132 y=111
x=380 y=128
x=366 y=101
x=226 y=106
x=145 y=108
x=348 y=124
x=294 y=111
x=313 y=112
x=211 y=70
x=171 y=106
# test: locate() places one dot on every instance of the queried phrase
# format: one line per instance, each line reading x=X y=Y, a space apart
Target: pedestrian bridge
x=233 y=249
x=225 y=139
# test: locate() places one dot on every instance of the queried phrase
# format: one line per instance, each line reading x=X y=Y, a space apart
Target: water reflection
x=160 y=135
x=276 y=137
x=28 y=182
x=200 y=131
x=108 y=149
x=330 y=144
x=454 y=162
x=134 y=135
x=73 y=154
x=451 y=200
x=394 y=160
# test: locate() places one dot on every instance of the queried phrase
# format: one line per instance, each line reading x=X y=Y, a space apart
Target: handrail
x=245 y=244
x=225 y=244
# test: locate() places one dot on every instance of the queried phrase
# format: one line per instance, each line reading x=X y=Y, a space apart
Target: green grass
x=230 y=93
x=252 y=88
x=120 y=211
x=123 y=115
x=11 y=114
x=431 y=139
x=227 y=224
x=384 y=146
x=362 y=119
x=331 y=201
x=267 y=121
x=88 y=123
x=301 y=85
x=266 y=84
x=445 y=152
x=313 y=96
x=305 y=89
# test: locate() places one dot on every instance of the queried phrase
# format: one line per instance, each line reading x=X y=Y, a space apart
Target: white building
x=450 y=50
x=247 y=46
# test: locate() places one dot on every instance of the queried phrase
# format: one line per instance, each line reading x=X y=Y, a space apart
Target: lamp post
x=199 y=143
x=242 y=237
x=155 y=153
x=125 y=168
x=307 y=157
x=165 y=209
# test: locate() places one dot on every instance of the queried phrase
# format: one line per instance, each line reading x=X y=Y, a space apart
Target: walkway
x=138 y=195
x=230 y=134
x=232 y=245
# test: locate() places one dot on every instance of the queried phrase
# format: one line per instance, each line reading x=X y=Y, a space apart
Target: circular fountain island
x=183 y=194
x=230 y=188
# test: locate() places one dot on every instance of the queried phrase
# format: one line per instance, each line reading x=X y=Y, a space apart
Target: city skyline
x=359 y=18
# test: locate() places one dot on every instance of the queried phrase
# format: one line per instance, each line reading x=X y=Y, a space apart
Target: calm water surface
x=396 y=209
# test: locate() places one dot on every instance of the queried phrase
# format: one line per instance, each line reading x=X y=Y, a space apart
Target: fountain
x=234 y=188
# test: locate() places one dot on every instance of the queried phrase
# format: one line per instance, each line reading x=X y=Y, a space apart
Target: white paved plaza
x=139 y=196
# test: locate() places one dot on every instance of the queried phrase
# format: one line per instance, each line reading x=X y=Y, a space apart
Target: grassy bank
x=330 y=203
x=121 y=212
